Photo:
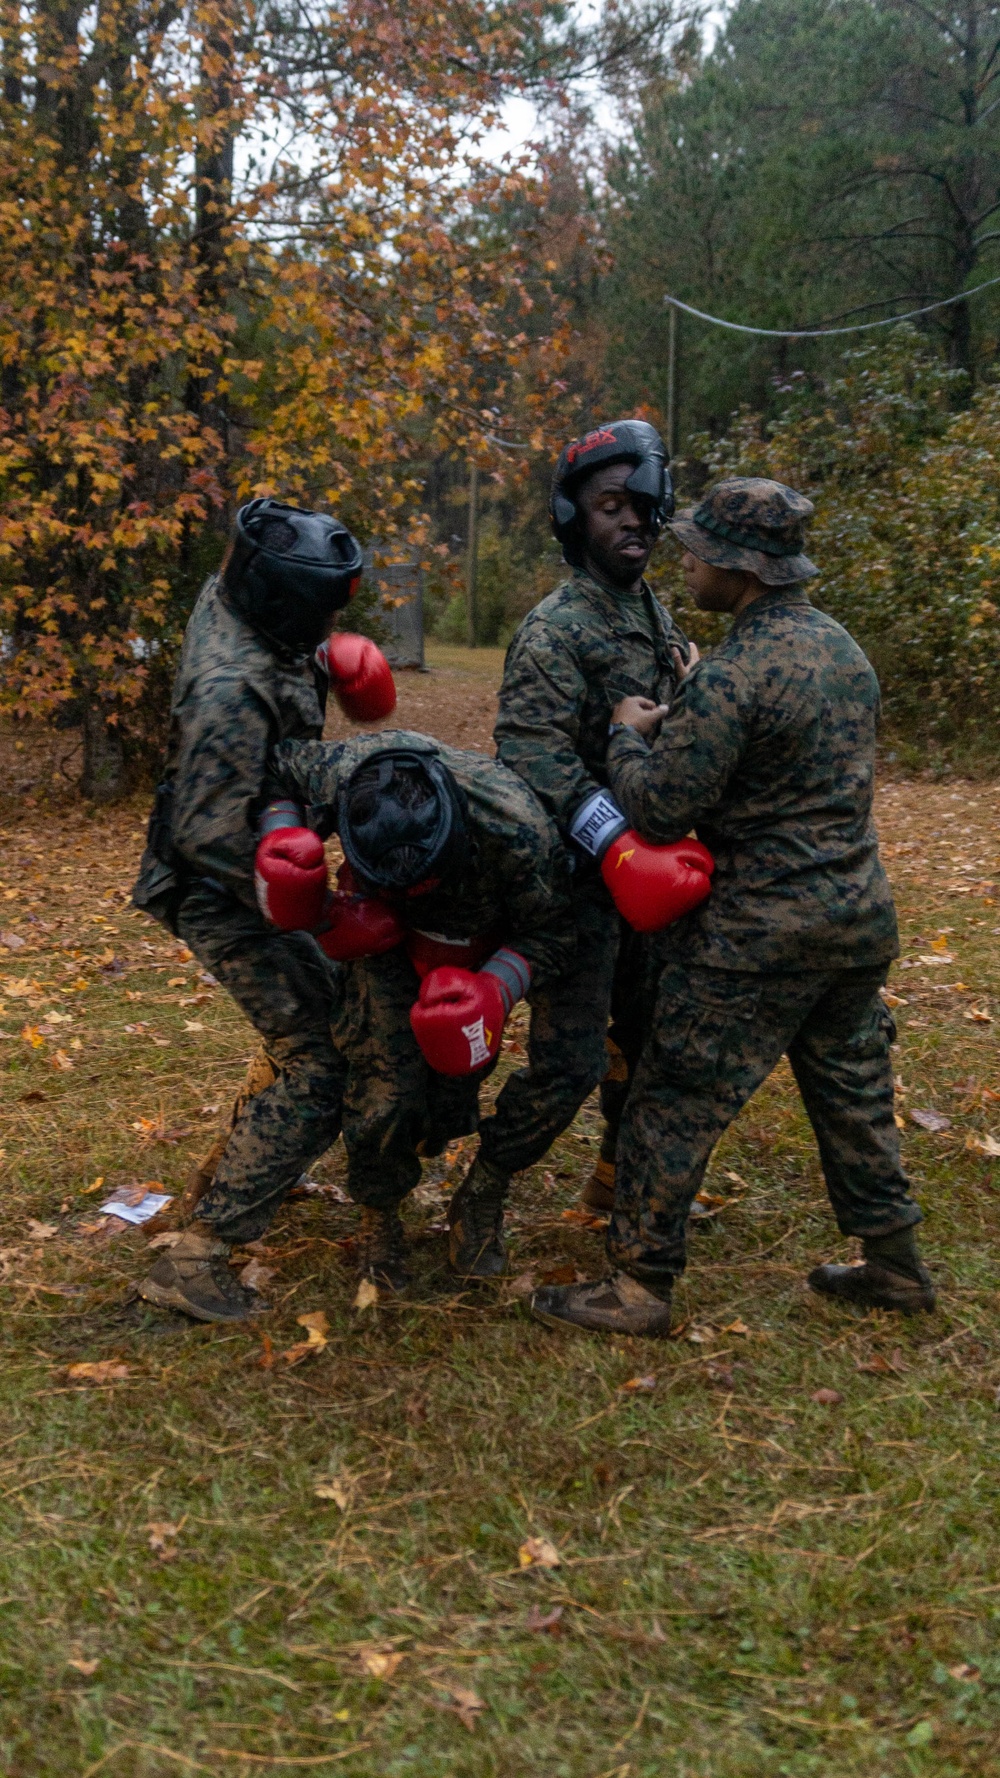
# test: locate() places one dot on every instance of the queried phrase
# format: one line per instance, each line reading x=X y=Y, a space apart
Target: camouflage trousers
x=716 y=1035
x=292 y=994
x=396 y=1108
x=567 y=1043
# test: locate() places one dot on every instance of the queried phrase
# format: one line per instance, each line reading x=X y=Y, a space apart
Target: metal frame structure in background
x=400 y=586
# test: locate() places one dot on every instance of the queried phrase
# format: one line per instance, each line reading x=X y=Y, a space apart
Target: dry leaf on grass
x=543 y=1620
x=466 y=1705
x=978 y=1015
x=87 y=1189
x=253 y=1276
x=637 y=1383
x=827 y=1398
x=161 y=1538
x=316 y=1326
x=700 y=1336
x=586 y=1219
x=61 y=1060
x=538 y=1552
x=102 y=1370
x=366 y=1296
x=964 y=1671
x=87 y=1668
x=333 y=1490
x=41 y=1231
x=737 y=1327
x=875 y=1366
x=988 y=1145
x=930 y=1120
x=565 y=1274
x=168 y=1238
x=524 y=1285
x=379 y=1665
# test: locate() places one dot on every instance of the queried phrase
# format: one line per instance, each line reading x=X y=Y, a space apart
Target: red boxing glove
x=358 y=926
x=290 y=877
x=459 y=1017
x=360 y=676
x=654 y=885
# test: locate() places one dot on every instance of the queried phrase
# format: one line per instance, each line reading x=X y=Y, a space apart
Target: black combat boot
x=195 y=1278
x=891 y=1277
x=476 y=1246
x=618 y=1304
x=382 y=1249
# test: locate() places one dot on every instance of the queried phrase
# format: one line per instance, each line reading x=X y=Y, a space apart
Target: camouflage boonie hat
x=749 y=523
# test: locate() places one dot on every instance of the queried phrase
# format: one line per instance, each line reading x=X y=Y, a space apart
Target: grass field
x=772 y=1540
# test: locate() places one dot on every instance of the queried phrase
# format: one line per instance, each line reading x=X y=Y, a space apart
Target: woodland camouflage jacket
x=516 y=881
x=234 y=698
x=769 y=753
x=572 y=659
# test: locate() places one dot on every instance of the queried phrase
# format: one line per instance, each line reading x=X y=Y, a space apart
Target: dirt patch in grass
x=216 y=1561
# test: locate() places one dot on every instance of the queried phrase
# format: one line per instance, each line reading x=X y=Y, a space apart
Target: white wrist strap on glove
x=596 y=823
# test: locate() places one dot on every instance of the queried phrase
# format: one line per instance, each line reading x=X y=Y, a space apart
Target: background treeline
x=823 y=162
x=278 y=249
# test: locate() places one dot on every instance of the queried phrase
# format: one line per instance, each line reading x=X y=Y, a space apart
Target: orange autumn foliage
x=240 y=251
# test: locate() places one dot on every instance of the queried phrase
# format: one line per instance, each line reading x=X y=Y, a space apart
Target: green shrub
x=907 y=525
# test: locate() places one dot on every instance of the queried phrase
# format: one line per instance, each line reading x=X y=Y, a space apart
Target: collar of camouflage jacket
x=777 y=598
x=621 y=611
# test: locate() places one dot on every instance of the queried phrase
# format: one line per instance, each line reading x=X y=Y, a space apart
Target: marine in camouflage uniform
x=233 y=698
x=769 y=753
x=236 y=694
x=511 y=889
x=575 y=656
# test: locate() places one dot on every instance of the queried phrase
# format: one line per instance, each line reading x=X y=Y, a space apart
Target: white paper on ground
x=141 y=1212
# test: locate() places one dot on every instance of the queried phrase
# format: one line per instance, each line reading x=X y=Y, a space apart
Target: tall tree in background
x=827 y=160
x=235 y=256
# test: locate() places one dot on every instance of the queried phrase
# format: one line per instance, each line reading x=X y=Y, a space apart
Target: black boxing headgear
x=401 y=820
x=623 y=441
x=289 y=571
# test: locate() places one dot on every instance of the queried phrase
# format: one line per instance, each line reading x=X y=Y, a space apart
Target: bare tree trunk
x=104 y=778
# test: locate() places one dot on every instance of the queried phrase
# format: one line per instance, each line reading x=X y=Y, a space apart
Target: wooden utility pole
x=672 y=327
x=472 y=558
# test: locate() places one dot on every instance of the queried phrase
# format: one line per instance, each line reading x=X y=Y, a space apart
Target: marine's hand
x=291 y=878
x=458 y=1020
x=360 y=676
x=652 y=886
x=682 y=666
x=642 y=714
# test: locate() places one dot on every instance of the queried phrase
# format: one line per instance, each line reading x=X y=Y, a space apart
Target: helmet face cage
x=401 y=823
x=623 y=441
x=290 y=570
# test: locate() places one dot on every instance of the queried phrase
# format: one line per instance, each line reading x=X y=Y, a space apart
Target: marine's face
x=617 y=526
x=713 y=589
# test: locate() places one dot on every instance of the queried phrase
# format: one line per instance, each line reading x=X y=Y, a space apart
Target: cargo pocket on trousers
x=700 y=1027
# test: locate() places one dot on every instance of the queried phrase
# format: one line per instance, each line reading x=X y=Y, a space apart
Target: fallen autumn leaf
x=538 y=1552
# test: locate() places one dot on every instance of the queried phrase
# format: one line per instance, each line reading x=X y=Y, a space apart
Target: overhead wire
x=818 y=333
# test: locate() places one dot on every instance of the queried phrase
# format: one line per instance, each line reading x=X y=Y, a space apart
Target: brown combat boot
x=195 y=1278
x=599 y=1192
x=891 y=1276
x=618 y=1304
